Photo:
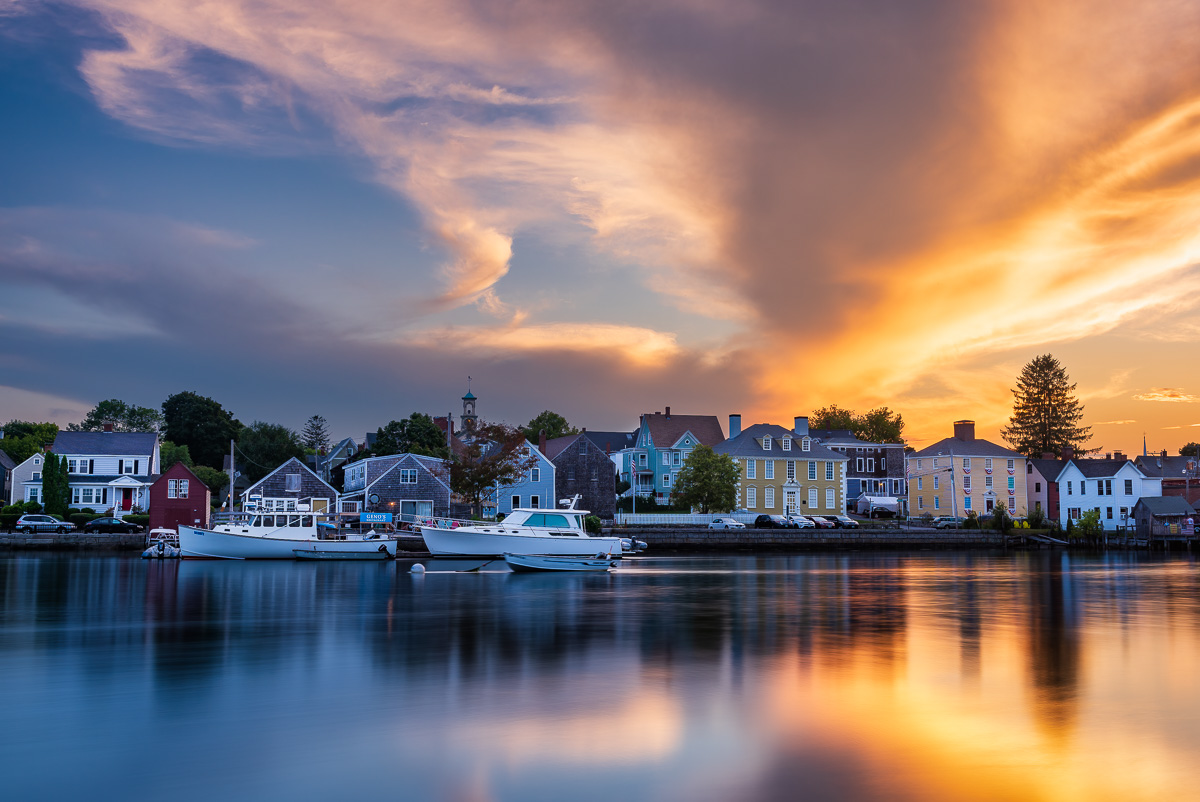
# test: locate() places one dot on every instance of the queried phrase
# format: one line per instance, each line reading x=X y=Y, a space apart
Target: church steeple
x=468 y=417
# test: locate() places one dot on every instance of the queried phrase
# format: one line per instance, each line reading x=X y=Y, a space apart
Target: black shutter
x=91 y=466
x=120 y=466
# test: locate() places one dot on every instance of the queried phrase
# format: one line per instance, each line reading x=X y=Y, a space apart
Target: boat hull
x=207 y=544
x=535 y=563
x=465 y=542
x=324 y=554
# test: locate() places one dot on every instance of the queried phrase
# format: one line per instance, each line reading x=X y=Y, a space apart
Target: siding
x=392 y=491
x=274 y=484
x=599 y=495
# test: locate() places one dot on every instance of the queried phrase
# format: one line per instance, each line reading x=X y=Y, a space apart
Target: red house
x=178 y=497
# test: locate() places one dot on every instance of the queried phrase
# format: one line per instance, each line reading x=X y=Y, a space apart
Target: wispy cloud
x=1168 y=394
x=1113 y=422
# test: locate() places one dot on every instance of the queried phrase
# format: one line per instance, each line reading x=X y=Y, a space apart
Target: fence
x=678 y=519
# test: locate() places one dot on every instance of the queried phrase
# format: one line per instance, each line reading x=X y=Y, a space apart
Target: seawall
x=72 y=541
x=703 y=539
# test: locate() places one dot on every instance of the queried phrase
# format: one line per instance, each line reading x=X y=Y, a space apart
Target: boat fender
x=383 y=549
x=418 y=569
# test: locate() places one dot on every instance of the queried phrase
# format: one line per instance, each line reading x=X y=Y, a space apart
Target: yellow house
x=962 y=474
x=784 y=471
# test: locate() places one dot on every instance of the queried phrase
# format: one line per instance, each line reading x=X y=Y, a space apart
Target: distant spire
x=1144 y=452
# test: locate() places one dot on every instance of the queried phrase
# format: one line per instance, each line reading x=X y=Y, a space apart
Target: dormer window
x=806 y=444
x=787 y=443
x=767 y=443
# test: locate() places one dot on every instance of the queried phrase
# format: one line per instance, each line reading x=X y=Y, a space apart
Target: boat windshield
x=550 y=520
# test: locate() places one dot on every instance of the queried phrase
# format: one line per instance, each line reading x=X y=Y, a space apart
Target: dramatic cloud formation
x=797 y=203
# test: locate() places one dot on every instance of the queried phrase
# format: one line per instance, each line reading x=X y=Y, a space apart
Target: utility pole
x=232 y=474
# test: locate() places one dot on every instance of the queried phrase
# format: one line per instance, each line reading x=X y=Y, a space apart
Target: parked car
x=42 y=523
x=111 y=525
x=947 y=522
x=725 y=523
x=802 y=522
x=774 y=522
x=822 y=522
x=843 y=521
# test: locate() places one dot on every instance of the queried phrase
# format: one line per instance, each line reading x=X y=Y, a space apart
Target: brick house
x=179 y=497
x=580 y=467
x=291 y=486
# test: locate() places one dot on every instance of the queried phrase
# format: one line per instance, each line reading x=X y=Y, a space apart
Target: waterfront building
x=963 y=474
x=25 y=483
x=411 y=485
x=785 y=471
x=108 y=469
x=1112 y=487
x=1041 y=485
x=663 y=441
x=291 y=487
x=179 y=497
x=1178 y=476
x=582 y=468
x=873 y=470
x=6 y=468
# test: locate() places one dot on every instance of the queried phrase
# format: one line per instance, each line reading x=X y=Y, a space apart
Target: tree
x=169 y=454
x=201 y=424
x=497 y=455
x=315 y=434
x=416 y=434
x=266 y=446
x=1001 y=521
x=1089 y=525
x=23 y=439
x=214 y=480
x=56 y=488
x=123 y=417
x=831 y=417
x=1046 y=413
x=552 y=423
x=880 y=425
x=1190 y=450
x=707 y=480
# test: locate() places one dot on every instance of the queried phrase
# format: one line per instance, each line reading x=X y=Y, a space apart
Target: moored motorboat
x=525 y=531
x=321 y=553
x=530 y=563
x=272 y=536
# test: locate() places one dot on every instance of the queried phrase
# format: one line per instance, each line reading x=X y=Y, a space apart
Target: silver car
x=725 y=523
x=42 y=523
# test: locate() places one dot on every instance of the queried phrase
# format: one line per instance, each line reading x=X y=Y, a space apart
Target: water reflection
x=891 y=676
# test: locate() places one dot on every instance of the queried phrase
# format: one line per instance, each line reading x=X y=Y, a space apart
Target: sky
x=306 y=207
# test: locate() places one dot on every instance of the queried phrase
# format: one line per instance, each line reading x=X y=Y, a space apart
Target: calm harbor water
x=931 y=676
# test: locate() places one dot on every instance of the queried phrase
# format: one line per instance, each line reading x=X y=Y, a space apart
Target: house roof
x=749 y=444
x=1166 y=467
x=612 y=442
x=6 y=461
x=666 y=430
x=1098 y=468
x=560 y=444
x=299 y=464
x=1048 y=468
x=1166 y=505
x=966 y=448
x=105 y=443
x=428 y=463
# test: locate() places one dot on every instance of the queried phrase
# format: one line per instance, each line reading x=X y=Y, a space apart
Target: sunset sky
x=308 y=207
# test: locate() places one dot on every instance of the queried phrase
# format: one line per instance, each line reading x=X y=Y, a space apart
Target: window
x=918 y=465
x=966 y=483
x=666 y=480
x=172 y=488
x=534 y=502
x=1073 y=513
x=791 y=469
x=858 y=465
x=535 y=475
x=828 y=470
x=642 y=460
x=787 y=443
x=74 y=495
x=1011 y=465
x=829 y=498
x=920 y=483
x=1108 y=487
x=666 y=458
x=1037 y=486
x=1129 y=487
x=36 y=476
x=291 y=483
x=408 y=476
x=937 y=502
x=812 y=470
x=570 y=474
x=767 y=443
x=516 y=502
x=33 y=494
x=870 y=465
x=935 y=462
x=770 y=472
x=1082 y=487
x=987 y=482
x=72 y=466
x=1110 y=513
x=1012 y=483
x=966 y=463
x=751 y=497
x=987 y=463
x=769 y=498
x=967 y=503
x=751 y=469
x=805 y=445
x=920 y=502
x=583 y=445
x=677 y=458
x=935 y=482
x=1070 y=489
x=812 y=498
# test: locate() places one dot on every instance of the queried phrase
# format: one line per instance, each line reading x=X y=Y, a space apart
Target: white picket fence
x=682 y=519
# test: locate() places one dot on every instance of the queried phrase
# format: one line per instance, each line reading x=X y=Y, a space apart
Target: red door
x=126 y=498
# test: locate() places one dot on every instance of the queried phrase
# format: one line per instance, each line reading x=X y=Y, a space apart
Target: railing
x=684 y=519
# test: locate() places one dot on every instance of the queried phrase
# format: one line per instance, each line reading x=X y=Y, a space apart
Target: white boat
x=526 y=530
x=530 y=563
x=272 y=536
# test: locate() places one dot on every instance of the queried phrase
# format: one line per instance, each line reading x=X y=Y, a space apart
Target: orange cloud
x=1169 y=394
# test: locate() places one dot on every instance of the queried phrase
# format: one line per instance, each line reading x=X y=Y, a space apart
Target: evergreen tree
x=1046 y=413
x=56 y=488
x=707 y=480
x=315 y=434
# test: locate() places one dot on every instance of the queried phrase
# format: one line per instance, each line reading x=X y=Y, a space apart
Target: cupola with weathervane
x=469 y=417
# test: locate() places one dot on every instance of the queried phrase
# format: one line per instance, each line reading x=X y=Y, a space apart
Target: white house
x=1113 y=487
x=27 y=480
x=109 y=469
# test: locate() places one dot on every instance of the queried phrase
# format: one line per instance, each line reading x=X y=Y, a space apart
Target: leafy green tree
x=880 y=425
x=214 y=480
x=552 y=423
x=832 y=417
x=1046 y=413
x=123 y=417
x=1190 y=450
x=497 y=455
x=56 y=488
x=1001 y=520
x=1089 y=525
x=23 y=439
x=266 y=446
x=707 y=480
x=315 y=434
x=1036 y=517
x=169 y=454
x=416 y=434
x=201 y=424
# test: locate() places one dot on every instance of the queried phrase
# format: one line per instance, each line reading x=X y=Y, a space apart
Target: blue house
x=662 y=442
x=534 y=489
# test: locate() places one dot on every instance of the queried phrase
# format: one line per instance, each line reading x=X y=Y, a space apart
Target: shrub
x=140 y=520
x=32 y=507
x=8 y=521
x=13 y=509
x=592 y=524
x=971 y=521
x=1036 y=518
x=81 y=518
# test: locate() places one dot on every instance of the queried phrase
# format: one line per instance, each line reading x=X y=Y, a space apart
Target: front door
x=126 y=498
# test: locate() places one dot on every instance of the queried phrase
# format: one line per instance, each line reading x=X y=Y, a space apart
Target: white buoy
x=418 y=569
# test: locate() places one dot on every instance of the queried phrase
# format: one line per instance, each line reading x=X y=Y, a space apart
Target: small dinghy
x=318 y=554
x=161 y=550
x=529 y=563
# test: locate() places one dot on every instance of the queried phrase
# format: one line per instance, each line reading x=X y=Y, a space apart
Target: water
x=931 y=676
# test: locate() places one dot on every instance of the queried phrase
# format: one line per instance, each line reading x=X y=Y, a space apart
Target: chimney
x=668 y=413
x=108 y=427
x=542 y=440
x=735 y=425
x=964 y=429
x=1164 y=454
x=800 y=425
x=584 y=430
x=1068 y=453
x=1119 y=455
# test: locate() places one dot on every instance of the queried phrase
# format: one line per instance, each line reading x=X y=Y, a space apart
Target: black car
x=774 y=522
x=111 y=525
